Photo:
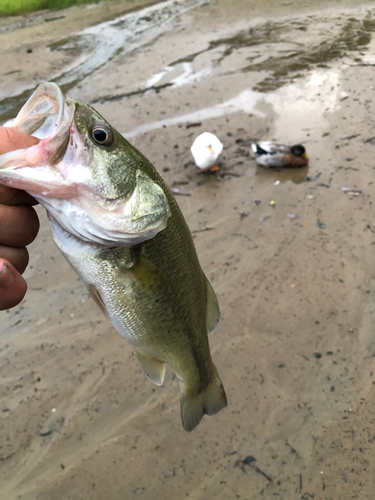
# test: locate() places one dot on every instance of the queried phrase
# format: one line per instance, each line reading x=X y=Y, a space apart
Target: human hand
x=19 y=226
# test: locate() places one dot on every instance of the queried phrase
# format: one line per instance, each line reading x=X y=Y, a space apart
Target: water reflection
x=269 y=176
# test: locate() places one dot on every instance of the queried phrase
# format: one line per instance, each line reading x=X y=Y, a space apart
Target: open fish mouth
x=48 y=116
x=42 y=114
x=69 y=175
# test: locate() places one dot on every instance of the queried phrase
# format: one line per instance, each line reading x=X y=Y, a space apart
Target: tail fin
x=209 y=401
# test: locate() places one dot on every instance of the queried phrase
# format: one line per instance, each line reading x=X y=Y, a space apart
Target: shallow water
x=96 y=46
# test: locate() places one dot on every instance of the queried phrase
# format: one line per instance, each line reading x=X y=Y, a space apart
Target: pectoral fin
x=95 y=295
x=154 y=369
x=213 y=310
x=146 y=274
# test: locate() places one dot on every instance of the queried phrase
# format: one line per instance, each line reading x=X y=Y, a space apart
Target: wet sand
x=295 y=281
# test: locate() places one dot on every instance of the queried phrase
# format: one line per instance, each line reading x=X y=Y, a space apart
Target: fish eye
x=102 y=135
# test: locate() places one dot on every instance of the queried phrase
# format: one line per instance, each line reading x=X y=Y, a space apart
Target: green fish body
x=144 y=272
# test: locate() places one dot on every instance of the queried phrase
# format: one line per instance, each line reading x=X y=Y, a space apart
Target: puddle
x=255 y=36
x=285 y=50
x=105 y=41
x=354 y=36
x=68 y=43
x=184 y=72
x=299 y=105
x=293 y=111
x=98 y=45
x=271 y=176
x=246 y=101
x=186 y=76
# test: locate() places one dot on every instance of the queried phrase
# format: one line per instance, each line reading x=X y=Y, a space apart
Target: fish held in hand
x=74 y=172
x=120 y=228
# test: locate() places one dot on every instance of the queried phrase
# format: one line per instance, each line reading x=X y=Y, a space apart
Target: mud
x=295 y=280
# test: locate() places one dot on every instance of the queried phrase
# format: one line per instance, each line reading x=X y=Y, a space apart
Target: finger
x=9 y=196
x=12 y=286
x=19 y=257
x=19 y=225
x=11 y=139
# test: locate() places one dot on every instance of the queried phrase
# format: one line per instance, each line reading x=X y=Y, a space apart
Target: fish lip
x=47 y=115
x=35 y=106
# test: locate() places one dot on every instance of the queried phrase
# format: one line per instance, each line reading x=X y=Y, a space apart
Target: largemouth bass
x=120 y=228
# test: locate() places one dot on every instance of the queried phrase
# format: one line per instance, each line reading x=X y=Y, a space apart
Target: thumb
x=12 y=286
x=11 y=139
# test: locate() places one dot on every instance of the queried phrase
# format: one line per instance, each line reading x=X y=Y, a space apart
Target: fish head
x=87 y=176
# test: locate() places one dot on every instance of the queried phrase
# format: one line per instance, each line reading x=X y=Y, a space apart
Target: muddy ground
x=296 y=281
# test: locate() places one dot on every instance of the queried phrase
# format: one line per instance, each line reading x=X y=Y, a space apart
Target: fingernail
x=6 y=277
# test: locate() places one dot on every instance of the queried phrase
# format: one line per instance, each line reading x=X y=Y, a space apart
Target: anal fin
x=154 y=369
x=213 y=310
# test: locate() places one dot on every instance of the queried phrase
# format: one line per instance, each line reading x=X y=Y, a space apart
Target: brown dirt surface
x=295 y=280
